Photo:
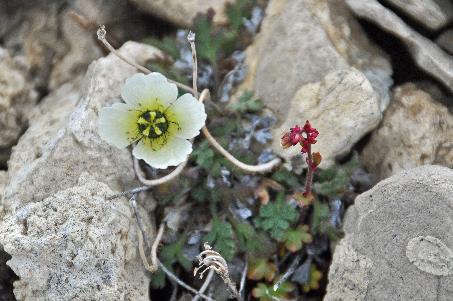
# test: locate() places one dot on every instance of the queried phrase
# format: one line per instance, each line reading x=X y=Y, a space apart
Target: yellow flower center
x=152 y=124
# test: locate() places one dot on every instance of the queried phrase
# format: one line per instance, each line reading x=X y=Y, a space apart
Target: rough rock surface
x=284 y=64
x=75 y=245
x=17 y=98
x=416 y=130
x=3 y=180
x=434 y=14
x=445 y=40
x=45 y=168
x=426 y=54
x=51 y=42
x=325 y=104
x=182 y=13
x=60 y=146
x=398 y=243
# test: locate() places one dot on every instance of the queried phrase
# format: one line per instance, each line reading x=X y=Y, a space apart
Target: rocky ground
x=374 y=77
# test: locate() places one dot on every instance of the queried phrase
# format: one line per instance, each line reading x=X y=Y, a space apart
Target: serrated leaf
x=276 y=217
x=266 y=293
x=294 y=239
x=261 y=269
x=334 y=181
x=286 y=177
x=221 y=238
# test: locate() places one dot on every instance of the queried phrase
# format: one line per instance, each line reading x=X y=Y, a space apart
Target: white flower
x=152 y=117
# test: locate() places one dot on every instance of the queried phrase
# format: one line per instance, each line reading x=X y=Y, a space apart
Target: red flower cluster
x=305 y=136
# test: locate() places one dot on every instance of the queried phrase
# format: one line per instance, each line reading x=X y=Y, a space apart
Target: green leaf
x=246 y=103
x=334 y=181
x=313 y=283
x=261 y=268
x=251 y=242
x=221 y=238
x=276 y=217
x=294 y=239
x=286 y=177
x=320 y=216
x=208 y=40
x=265 y=292
x=167 y=44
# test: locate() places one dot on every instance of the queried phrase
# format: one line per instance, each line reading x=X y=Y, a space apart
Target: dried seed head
x=101 y=32
x=191 y=37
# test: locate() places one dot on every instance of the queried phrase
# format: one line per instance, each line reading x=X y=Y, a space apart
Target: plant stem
x=309 y=179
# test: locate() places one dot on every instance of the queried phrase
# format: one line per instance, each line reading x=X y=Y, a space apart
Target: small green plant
x=261 y=268
x=221 y=238
x=286 y=177
x=332 y=182
x=294 y=239
x=276 y=217
x=246 y=103
x=264 y=292
x=250 y=241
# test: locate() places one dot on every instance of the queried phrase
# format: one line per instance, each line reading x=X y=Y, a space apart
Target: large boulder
x=75 y=245
x=312 y=52
x=416 y=130
x=60 y=173
x=398 y=243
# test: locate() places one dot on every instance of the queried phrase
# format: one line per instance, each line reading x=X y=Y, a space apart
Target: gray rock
x=54 y=46
x=426 y=54
x=64 y=142
x=301 y=55
x=50 y=196
x=343 y=107
x=445 y=40
x=433 y=14
x=3 y=181
x=416 y=130
x=75 y=245
x=17 y=98
x=182 y=13
x=398 y=244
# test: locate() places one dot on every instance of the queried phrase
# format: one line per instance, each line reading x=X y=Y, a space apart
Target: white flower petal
x=118 y=124
x=190 y=116
x=174 y=152
x=143 y=90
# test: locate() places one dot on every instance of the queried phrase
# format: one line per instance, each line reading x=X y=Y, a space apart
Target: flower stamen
x=152 y=124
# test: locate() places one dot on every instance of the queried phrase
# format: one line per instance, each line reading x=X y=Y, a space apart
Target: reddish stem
x=309 y=179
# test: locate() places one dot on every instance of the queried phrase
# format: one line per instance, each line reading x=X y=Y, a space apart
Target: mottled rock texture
x=311 y=52
x=416 y=130
x=17 y=98
x=426 y=54
x=182 y=13
x=66 y=240
x=433 y=14
x=398 y=243
x=75 y=245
